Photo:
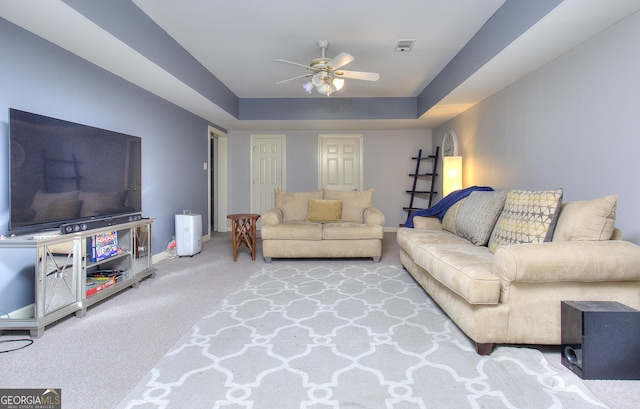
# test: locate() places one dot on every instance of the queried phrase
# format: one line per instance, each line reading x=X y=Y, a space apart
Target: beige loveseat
x=322 y=224
x=488 y=266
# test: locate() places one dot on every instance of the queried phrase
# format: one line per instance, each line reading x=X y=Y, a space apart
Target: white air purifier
x=188 y=234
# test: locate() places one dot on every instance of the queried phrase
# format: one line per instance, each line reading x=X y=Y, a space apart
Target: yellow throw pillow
x=324 y=211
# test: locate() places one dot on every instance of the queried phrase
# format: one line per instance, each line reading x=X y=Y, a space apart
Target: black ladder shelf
x=431 y=192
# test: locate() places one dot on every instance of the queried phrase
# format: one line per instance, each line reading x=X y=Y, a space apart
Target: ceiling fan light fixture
x=325 y=89
x=318 y=79
x=326 y=78
x=308 y=86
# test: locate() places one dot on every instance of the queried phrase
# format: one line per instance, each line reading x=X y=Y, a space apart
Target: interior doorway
x=217 y=180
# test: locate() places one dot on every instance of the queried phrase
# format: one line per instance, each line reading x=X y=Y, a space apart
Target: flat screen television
x=64 y=172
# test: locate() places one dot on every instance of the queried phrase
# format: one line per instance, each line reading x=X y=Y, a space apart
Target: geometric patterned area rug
x=355 y=337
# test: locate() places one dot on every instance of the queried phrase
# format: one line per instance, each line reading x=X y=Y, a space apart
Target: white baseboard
x=159 y=257
x=28 y=311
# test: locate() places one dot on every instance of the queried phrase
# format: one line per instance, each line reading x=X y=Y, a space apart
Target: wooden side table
x=243 y=228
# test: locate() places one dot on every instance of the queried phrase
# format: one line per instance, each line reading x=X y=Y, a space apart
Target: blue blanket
x=440 y=208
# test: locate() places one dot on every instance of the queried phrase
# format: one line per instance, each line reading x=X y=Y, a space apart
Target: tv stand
x=45 y=277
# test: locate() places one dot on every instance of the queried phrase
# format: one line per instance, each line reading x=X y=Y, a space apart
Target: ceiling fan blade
x=358 y=75
x=340 y=60
x=294 y=63
x=294 y=78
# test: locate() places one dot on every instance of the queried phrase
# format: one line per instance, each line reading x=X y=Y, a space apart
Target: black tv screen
x=64 y=172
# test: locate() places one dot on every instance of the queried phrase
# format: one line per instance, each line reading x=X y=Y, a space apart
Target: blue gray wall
x=45 y=79
x=39 y=77
x=573 y=123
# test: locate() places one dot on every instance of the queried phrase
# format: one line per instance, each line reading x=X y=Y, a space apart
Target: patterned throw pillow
x=449 y=219
x=478 y=214
x=527 y=217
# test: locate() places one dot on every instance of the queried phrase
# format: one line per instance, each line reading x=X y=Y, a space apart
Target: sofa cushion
x=478 y=214
x=294 y=205
x=527 y=217
x=409 y=239
x=292 y=231
x=324 y=210
x=353 y=203
x=449 y=219
x=351 y=231
x=587 y=220
x=463 y=268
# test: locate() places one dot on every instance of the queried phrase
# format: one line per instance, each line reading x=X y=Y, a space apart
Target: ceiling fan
x=326 y=75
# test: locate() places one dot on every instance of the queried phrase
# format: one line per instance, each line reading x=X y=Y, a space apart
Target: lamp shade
x=308 y=87
x=324 y=89
x=452 y=174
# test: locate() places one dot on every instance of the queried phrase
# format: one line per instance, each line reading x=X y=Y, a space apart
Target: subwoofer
x=600 y=339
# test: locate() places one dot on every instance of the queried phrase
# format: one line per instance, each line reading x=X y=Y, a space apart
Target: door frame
x=283 y=162
x=359 y=137
x=220 y=166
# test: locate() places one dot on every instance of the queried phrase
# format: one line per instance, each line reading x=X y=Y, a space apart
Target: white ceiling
x=237 y=42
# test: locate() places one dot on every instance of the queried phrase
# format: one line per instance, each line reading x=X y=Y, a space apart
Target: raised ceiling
x=215 y=59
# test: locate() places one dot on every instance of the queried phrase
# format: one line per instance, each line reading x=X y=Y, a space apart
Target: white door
x=267 y=170
x=340 y=162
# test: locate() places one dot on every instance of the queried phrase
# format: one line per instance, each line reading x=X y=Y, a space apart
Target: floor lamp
x=452 y=171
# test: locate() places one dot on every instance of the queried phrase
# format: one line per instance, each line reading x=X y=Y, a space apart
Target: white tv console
x=62 y=269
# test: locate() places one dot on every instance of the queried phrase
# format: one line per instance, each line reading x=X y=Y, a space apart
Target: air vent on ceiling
x=404 y=45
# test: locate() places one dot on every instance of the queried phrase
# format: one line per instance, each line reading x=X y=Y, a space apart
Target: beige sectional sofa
x=322 y=224
x=500 y=263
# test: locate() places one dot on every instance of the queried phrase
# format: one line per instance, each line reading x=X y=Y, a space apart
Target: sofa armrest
x=374 y=216
x=428 y=223
x=272 y=216
x=569 y=261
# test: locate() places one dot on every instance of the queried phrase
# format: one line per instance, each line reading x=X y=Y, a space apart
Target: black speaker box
x=97 y=223
x=600 y=339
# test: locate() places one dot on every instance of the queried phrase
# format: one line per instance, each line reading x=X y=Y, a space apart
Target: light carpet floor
x=359 y=336
x=97 y=360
